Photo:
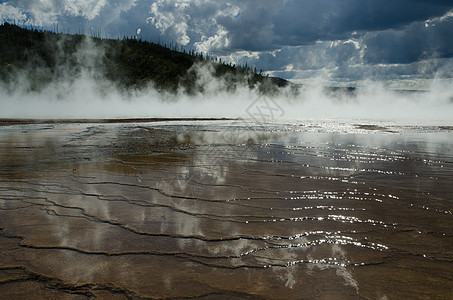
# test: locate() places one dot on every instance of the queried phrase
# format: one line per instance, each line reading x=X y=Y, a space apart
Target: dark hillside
x=42 y=57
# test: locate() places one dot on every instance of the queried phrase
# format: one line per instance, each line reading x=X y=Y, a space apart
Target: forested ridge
x=43 y=57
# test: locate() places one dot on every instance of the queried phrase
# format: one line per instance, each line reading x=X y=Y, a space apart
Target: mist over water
x=84 y=93
x=87 y=98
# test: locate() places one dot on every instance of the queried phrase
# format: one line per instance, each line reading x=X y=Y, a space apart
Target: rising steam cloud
x=87 y=95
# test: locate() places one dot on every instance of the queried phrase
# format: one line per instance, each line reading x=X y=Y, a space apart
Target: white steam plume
x=87 y=96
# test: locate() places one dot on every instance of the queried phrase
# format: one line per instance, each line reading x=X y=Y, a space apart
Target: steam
x=86 y=95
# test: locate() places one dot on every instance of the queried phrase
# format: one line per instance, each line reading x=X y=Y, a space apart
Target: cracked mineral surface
x=223 y=210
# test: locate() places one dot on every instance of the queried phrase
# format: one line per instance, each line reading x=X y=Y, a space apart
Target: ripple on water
x=311 y=210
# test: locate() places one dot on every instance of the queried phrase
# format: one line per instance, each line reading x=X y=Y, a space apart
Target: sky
x=401 y=43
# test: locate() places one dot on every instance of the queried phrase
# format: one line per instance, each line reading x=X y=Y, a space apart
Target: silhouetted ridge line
x=43 y=57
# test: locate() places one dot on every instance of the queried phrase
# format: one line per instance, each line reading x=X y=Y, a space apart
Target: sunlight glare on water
x=303 y=209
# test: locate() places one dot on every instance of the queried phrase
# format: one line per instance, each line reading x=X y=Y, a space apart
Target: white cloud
x=193 y=21
x=11 y=14
x=170 y=18
x=113 y=9
x=446 y=16
x=289 y=68
x=88 y=9
x=47 y=12
x=218 y=41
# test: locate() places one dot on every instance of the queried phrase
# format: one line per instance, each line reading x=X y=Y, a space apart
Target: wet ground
x=226 y=210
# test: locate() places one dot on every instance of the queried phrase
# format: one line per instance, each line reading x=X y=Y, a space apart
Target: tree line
x=130 y=63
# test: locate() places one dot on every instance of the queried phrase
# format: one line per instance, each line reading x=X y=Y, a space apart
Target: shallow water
x=226 y=209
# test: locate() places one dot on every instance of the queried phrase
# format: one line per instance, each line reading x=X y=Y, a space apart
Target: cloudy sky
x=402 y=43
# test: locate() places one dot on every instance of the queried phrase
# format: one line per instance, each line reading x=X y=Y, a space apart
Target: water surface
x=226 y=209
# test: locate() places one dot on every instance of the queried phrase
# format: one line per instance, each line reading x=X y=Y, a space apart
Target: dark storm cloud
x=253 y=25
x=263 y=25
x=415 y=42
